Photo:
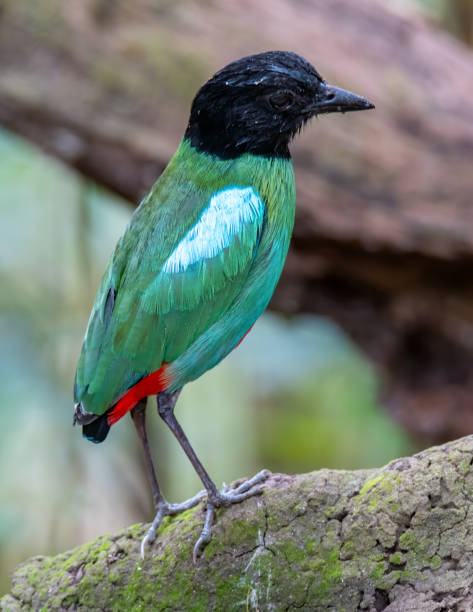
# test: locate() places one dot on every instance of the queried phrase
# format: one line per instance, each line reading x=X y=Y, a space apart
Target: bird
x=200 y=259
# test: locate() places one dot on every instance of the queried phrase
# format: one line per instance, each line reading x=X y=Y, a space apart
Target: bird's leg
x=215 y=498
x=138 y=414
x=163 y=508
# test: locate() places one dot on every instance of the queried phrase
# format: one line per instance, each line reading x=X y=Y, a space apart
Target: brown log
x=383 y=241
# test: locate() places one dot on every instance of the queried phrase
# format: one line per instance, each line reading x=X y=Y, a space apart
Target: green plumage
x=201 y=257
x=144 y=317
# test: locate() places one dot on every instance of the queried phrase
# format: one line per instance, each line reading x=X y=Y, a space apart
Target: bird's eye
x=281 y=101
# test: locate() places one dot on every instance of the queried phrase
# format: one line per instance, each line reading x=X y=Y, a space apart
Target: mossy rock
x=397 y=538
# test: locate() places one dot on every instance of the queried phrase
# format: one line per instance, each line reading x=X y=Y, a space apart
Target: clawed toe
x=251 y=482
x=246 y=489
x=166 y=509
x=226 y=497
x=205 y=534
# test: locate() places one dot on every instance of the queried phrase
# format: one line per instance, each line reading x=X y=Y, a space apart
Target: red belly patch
x=149 y=385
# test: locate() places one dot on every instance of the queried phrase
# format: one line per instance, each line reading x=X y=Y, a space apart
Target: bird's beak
x=332 y=99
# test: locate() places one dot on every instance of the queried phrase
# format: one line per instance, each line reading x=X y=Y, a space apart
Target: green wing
x=176 y=271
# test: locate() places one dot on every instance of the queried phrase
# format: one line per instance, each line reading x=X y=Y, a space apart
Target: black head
x=258 y=103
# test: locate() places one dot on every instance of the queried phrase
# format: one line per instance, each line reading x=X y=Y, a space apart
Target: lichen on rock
x=395 y=538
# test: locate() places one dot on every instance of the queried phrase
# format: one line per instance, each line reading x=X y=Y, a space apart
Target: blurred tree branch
x=396 y=538
x=458 y=17
x=383 y=241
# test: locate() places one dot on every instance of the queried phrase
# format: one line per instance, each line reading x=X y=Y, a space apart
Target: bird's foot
x=226 y=497
x=166 y=509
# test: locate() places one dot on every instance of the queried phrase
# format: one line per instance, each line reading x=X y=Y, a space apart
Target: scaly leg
x=138 y=415
x=215 y=498
x=163 y=508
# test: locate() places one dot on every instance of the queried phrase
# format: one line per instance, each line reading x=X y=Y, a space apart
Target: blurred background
x=366 y=352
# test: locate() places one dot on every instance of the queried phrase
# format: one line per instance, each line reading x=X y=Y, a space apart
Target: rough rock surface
x=397 y=538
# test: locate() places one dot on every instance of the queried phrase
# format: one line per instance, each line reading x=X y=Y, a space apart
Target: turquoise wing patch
x=206 y=270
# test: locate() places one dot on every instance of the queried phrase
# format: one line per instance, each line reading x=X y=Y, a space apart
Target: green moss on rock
x=326 y=540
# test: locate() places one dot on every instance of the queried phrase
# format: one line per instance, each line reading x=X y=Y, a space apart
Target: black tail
x=97 y=430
